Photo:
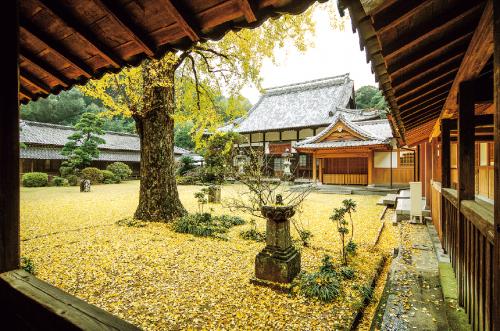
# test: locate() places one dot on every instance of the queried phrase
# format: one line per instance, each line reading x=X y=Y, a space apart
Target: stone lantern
x=279 y=261
x=241 y=161
x=286 y=163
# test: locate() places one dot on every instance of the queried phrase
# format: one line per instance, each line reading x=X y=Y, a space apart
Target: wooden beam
x=55 y=47
x=466 y=166
x=181 y=20
x=26 y=56
x=427 y=55
x=416 y=105
x=9 y=139
x=477 y=55
x=445 y=154
x=432 y=90
x=424 y=105
x=412 y=122
x=446 y=76
x=89 y=37
x=423 y=109
x=383 y=21
x=494 y=309
x=247 y=10
x=26 y=93
x=432 y=71
x=402 y=44
x=124 y=21
x=32 y=80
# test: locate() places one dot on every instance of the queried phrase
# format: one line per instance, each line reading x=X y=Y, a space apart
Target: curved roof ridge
x=336 y=118
x=68 y=127
x=310 y=84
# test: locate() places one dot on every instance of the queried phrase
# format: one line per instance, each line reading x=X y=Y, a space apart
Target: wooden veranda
x=438 y=64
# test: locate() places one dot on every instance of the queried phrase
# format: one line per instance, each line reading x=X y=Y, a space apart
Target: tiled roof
x=305 y=104
x=373 y=132
x=45 y=139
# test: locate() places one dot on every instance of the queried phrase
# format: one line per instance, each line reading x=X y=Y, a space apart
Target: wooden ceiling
x=67 y=42
x=420 y=50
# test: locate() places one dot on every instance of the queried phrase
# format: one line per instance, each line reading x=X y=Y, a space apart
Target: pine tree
x=83 y=145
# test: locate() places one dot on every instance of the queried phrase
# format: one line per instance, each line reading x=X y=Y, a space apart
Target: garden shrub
x=185 y=164
x=323 y=285
x=253 y=233
x=366 y=292
x=206 y=225
x=59 y=181
x=191 y=177
x=109 y=177
x=27 y=265
x=35 y=179
x=66 y=171
x=72 y=180
x=93 y=174
x=120 y=169
x=347 y=272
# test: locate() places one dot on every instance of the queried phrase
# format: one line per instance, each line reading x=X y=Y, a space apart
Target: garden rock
x=85 y=185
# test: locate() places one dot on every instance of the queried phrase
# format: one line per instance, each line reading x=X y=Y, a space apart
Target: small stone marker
x=214 y=194
x=85 y=185
x=279 y=261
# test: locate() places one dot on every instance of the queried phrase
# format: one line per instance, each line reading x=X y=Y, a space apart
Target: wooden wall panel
x=399 y=176
x=345 y=179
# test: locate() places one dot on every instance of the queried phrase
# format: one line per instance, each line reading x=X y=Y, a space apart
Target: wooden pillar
x=445 y=154
x=428 y=173
x=321 y=170
x=314 y=167
x=370 y=168
x=466 y=160
x=9 y=139
x=495 y=309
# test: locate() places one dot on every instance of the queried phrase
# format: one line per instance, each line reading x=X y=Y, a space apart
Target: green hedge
x=120 y=169
x=93 y=174
x=109 y=177
x=35 y=179
x=59 y=181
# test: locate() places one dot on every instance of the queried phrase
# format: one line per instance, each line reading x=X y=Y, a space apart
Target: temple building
x=331 y=142
x=43 y=142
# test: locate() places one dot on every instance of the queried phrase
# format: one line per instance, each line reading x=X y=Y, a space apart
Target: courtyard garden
x=156 y=278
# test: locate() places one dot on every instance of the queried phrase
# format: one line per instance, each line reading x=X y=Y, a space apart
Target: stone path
x=414 y=295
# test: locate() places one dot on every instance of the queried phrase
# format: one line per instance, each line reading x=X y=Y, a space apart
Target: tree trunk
x=158 y=197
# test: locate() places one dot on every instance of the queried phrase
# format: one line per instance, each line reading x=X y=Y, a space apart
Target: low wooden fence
x=468 y=237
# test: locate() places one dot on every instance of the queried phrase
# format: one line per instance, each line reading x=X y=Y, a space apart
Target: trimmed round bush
x=120 y=169
x=59 y=181
x=93 y=174
x=35 y=179
x=66 y=171
x=73 y=180
x=109 y=177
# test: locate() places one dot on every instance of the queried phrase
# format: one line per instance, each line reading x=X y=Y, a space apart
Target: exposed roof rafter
x=73 y=23
x=139 y=37
x=181 y=20
x=43 y=67
x=31 y=80
x=247 y=10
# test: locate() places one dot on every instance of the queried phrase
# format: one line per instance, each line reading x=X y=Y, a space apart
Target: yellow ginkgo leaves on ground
x=158 y=279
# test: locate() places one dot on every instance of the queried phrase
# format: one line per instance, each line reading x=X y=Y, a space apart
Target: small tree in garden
x=219 y=155
x=186 y=164
x=350 y=207
x=201 y=197
x=120 y=170
x=263 y=191
x=342 y=224
x=82 y=146
x=338 y=217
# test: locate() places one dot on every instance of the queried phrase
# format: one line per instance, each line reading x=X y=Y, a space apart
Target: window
x=278 y=164
x=406 y=158
x=302 y=160
x=47 y=165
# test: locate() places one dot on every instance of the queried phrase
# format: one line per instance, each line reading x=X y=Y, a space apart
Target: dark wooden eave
x=64 y=43
x=420 y=50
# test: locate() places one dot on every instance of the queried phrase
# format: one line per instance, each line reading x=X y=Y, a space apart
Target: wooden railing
x=468 y=237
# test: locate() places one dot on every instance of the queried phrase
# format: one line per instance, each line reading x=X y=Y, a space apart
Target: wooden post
x=445 y=154
x=390 y=158
x=370 y=168
x=466 y=162
x=428 y=173
x=495 y=309
x=321 y=170
x=314 y=167
x=9 y=139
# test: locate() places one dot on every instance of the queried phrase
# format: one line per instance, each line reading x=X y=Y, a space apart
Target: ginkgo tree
x=183 y=85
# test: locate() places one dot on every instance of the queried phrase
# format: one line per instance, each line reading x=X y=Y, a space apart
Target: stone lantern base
x=276 y=265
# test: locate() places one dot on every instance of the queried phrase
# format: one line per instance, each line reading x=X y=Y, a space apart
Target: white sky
x=334 y=53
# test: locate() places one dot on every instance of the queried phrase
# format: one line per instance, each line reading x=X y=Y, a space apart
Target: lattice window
x=406 y=158
x=278 y=164
x=302 y=160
